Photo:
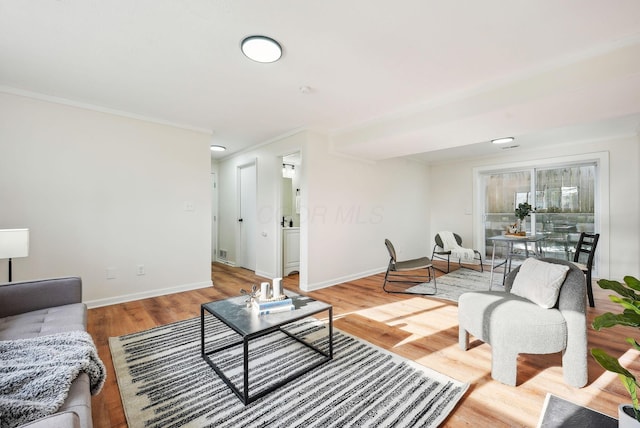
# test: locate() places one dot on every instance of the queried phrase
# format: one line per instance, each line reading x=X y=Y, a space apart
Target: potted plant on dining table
x=523 y=210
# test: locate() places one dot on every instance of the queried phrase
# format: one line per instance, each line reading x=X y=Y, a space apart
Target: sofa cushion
x=539 y=282
x=42 y=322
x=57 y=420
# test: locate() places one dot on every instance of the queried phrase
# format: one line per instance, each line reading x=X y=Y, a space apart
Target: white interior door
x=247 y=219
x=214 y=217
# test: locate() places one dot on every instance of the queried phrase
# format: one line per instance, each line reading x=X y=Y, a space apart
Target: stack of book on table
x=264 y=307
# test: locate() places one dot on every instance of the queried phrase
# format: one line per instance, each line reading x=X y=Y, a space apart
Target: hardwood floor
x=418 y=328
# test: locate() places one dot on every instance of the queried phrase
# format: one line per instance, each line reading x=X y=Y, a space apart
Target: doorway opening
x=290 y=216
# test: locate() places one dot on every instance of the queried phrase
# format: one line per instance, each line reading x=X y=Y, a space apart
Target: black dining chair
x=586 y=247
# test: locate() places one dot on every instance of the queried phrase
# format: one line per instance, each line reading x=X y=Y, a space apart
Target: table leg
x=201 y=330
x=493 y=258
x=246 y=370
x=507 y=262
x=331 y=331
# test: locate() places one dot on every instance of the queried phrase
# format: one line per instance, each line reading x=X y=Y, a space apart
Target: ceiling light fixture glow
x=504 y=140
x=261 y=49
x=217 y=148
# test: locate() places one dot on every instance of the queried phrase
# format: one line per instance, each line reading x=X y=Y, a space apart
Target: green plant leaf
x=633 y=343
x=632 y=282
x=608 y=319
x=611 y=364
x=630 y=386
x=627 y=303
x=618 y=288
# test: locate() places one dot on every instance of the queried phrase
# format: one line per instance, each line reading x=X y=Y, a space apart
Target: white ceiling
x=387 y=78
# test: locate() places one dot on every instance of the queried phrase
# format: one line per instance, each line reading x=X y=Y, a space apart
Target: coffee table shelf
x=246 y=322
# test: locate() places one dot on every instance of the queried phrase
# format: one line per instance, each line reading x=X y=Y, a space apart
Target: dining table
x=535 y=241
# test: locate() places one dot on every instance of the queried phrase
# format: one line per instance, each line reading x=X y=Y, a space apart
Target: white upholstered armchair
x=513 y=324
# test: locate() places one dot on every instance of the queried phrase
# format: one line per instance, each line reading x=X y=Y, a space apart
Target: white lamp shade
x=14 y=243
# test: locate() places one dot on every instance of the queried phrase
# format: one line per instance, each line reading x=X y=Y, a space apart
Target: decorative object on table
x=265 y=291
x=512 y=228
x=13 y=243
x=630 y=301
x=276 y=288
x=251 y=295
x=274 y=305
x=523 y=210
x=168 y=383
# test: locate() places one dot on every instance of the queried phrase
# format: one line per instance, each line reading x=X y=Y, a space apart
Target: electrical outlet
x=140 y=270
x=111 y=273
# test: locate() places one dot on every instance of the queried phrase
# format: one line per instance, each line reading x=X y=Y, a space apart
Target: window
x=564 y=204
x=503 y=191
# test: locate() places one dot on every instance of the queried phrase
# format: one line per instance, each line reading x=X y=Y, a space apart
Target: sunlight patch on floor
x=416 y=316
x=407 y=340
x=390 y=312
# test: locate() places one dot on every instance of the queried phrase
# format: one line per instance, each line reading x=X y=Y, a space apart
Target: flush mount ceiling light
x=261 y=49
x=504 y=140
x=217 y=148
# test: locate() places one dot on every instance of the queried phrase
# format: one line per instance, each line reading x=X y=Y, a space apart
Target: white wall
x=353 y=206
x=451 y=186
x=102 y=191
x=348 y=208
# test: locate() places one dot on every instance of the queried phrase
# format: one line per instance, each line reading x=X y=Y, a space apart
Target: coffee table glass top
x=246 y=321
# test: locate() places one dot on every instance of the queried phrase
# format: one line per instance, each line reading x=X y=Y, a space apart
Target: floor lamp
x=13 y=243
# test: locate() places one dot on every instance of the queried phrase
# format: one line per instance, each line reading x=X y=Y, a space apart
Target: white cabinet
x=290 y=250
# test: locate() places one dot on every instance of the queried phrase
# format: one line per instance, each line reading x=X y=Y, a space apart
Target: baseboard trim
x=340 y=280
x=147 y=294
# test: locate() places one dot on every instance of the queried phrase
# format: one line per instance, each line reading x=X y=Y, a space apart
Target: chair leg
x=590 y=290
x=430 y=275
x=463 y=338
x=574 y=363
x=504 y=366
x=386 y=277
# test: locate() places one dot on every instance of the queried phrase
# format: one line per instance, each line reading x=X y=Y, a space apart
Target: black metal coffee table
x=249 y=325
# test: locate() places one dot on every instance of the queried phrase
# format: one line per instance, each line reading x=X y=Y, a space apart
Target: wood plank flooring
x=418 y=328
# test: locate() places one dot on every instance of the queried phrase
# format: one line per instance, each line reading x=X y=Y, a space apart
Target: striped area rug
x=164 y=382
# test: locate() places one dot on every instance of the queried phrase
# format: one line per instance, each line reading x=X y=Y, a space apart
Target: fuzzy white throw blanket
x=36 y=374
x=450 y=244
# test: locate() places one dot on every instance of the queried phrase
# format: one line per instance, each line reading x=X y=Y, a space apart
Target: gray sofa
x=31 y=309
